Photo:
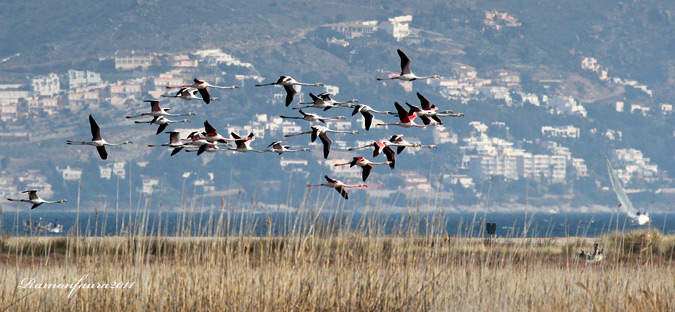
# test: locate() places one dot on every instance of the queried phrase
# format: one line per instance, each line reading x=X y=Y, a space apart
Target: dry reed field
x=345 y=271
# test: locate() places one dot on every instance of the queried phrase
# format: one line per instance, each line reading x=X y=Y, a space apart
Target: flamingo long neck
x=354 y=185
x=313 y=185
x=120 y=143
x=360 y=147
x=381 y=163
x=221 y=87
x=295 y=134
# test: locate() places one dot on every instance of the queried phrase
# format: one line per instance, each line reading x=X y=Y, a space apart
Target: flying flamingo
x=288 y=84
x=198 y=139
x=338 y=186
x=96 y=140
x=242 y=144
x=322 y=133
x=367 y=111
x=174 y=141
x=313 y=117
x=325 y=102
x=406 y=74
x=427 y=106
x=211 y=136
x=398 y=141
x=157 y=111
x=365 y=164
x=162 y=122
x=34 y=199
x=405 y=118
x=202 y=86
x=280 y=149
x=380 y=147
x=430 y=111
x=205 y=148
x=188 y=94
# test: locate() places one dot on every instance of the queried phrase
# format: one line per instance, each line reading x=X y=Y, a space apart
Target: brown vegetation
x=339 y=272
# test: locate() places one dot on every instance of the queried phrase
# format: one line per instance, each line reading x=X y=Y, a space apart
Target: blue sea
x=342 y=222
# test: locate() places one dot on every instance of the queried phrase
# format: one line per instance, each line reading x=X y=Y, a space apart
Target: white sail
x=624 y=201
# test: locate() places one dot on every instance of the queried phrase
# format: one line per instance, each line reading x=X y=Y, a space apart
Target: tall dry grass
x=348 y=271
x=325 y=263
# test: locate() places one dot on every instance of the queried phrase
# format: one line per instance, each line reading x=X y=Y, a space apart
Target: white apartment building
x=214 y=57
x=354 y=29
x=8 y=112
x=580 y=168
x=560 y=132
x=130 y=60
x=70 y=174
x=566 y=105
x=397 y=26
x=83 y=79
x=48 y=105
x=12 y=93
x=46 y=85
x=83 y=97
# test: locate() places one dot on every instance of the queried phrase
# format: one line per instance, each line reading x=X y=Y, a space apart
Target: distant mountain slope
x=47 y=30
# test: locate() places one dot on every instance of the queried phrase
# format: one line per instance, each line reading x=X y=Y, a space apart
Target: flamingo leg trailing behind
x=97 y=140
x=202 y=86
x=406 y=74
x=34 y=199
x=365 y=164
x=288 y=83
x=313 y=117
x=338 y=186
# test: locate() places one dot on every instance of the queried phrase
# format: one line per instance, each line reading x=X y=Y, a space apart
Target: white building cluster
x=485 y=157
x=497 y=20
x=590 y=63
x=11 y=184
x=44 y=93
x=631 y=163
x=565 y=105
x=560 y=132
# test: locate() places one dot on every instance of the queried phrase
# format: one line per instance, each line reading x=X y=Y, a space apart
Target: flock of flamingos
x=210 y=141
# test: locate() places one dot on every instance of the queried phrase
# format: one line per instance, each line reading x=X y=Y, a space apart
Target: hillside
x=543 y=43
